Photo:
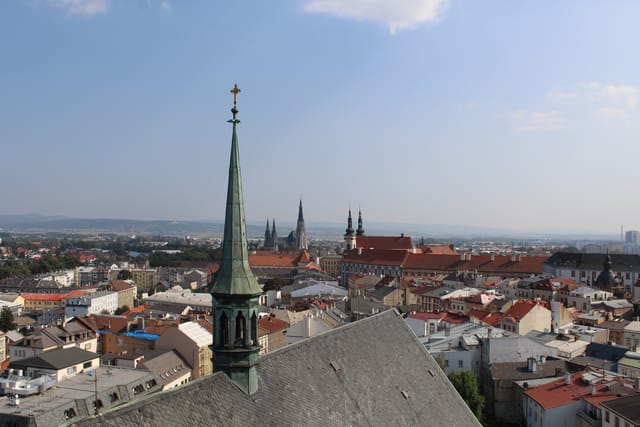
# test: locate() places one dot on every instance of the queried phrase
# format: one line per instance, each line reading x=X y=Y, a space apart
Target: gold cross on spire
x=235 y=91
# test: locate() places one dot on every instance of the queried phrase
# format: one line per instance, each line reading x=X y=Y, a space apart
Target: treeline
x=163 y=259
x=45 y=264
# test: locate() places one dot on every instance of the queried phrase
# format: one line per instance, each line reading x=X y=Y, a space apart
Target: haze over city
x=494 y=114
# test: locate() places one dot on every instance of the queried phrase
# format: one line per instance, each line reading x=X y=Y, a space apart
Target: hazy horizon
x=499 y=115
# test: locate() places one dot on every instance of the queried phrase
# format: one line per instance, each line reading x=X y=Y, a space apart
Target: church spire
x=267 y=236
x=301 y=235
x=349 y=236
x=235 y=289
x=349 y=230
x=359 y=230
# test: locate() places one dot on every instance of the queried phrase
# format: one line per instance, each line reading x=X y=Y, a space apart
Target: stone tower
x=360 y=230
x=235 y=290
x=349 y=234
x=301 y=236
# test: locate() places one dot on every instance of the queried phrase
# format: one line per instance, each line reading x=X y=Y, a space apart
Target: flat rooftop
x=82 y=386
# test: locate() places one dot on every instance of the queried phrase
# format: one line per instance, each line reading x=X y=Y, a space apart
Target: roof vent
x=335 y=366
x=405 y=394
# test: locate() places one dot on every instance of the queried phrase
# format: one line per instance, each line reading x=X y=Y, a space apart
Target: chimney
x=462 y=256
x=359 y=251
x=637 y=384
x=567 y=378
x=592 y=389
x=469 y=256
x=532 y=365
x=492 y=257
x=513 y=258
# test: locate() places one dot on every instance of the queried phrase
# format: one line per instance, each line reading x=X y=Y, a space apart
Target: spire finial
x=235 y=91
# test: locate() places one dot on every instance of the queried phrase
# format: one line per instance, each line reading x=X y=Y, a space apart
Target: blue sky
x=522 y=115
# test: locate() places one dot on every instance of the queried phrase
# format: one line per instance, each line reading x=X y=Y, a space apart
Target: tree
x=7 y=322
x=466 y=384
x=124 y=275
x=121 y=310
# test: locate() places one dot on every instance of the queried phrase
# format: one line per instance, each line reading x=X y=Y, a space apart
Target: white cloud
x=535 y=121
x=629 y=94
x=396 y=14
x=561 y=95
x=81 y=7
x=166 y=6
x=609 y=114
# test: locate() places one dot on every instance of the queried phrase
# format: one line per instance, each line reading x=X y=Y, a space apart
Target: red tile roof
x=520 y=308
x=444 y=316
x=279 y=259
x=481 y=263
x=557 y=393
x=376 y=256
x=51 y=297
x=271 y=324
x=439 y=249
x=384 y=242
x=121 y=285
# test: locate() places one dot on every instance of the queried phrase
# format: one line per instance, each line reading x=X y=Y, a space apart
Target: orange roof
x=121 y=285
x=271 y=324
x=376 y=256
x=493 y=319
x=439 y=249
x=557 y=393
x=29 y=296
x=481 y=263
x=444 y=316
x=401 y=242
x=135 y=310
x=110 y=322
x=520 y=308
x=274 y=259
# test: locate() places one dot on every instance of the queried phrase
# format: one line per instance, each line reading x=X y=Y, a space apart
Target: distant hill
x=215 y=228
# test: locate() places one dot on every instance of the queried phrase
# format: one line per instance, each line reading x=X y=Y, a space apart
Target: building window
x=460 y=364
x=86 y=365
x=606 y=416
x=446 y=363
x=573 y=273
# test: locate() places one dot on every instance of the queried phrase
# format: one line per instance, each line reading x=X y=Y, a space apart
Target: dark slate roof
x=516 y=371
x=628 y=407
x=621 y=262
x=373 y=372
x=56 y=359
x=605 y=351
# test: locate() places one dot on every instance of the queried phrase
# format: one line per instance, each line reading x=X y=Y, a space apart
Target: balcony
x=590 y=417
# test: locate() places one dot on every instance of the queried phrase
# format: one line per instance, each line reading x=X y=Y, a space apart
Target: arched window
x=240 y=328
x=224 y=330
x=254 y=329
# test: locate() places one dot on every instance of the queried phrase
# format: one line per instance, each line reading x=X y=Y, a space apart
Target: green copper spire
x=235 y=290
x=235 y=276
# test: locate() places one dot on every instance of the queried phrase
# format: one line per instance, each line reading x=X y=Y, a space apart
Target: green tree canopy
x=124 y=275
x=467 y=385
x=7 y=322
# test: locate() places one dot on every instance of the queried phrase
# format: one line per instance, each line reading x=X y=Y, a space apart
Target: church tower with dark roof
x=267 y=236
x=360 y=230
x=301 y=236
x=235 y=290
x=349 y=234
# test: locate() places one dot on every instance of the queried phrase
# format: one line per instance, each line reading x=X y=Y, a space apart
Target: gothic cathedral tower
x=301 y=236
x=235 y=289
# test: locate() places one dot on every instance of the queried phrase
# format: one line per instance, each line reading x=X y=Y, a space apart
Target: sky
x=518 y=115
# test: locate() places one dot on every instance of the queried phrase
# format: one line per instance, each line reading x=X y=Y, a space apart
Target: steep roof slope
x=373 y=372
